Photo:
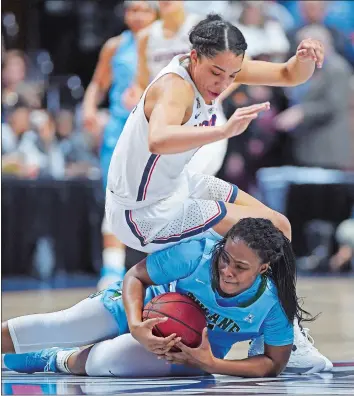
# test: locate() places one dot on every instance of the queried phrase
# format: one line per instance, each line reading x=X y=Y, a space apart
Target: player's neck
x=173 y=21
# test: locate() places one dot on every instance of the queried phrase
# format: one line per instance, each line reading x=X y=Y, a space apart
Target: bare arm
x=143 y=73
x=295 y=71
x=174 y=97
x=135 y=282
x=271 y=364
x=101 y=80
x=132 y=95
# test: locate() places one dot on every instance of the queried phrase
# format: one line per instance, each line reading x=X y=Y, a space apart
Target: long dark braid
x=273 y=247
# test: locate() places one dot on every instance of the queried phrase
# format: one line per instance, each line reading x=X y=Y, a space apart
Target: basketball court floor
x=333 y=332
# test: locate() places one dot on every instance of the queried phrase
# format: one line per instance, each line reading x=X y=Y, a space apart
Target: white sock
x=114 y=257
x=62 y=360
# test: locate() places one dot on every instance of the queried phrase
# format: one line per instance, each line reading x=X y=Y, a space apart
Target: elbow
x=271 y=372
x=283 y=223
x=292 y=79
x=155 y=145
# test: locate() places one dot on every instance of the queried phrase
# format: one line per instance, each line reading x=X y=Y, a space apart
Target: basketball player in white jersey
x=157 y=45
x=152 y=199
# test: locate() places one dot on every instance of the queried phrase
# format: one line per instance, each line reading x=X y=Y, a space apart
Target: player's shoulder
x=271 y=292
x=192 y=249
x=111 y=46
x=172 y=84
x=113 y=42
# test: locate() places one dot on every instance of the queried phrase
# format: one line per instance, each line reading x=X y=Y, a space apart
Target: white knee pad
x=123 y=356
x=83 y=324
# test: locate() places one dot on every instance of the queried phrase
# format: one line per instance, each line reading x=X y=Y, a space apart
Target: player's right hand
x=242 y=117
x=131 y=97
x=142 y=332
x=91 y=121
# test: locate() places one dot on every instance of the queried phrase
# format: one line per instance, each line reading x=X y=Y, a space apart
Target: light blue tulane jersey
x=124 y=67
x=254 y=312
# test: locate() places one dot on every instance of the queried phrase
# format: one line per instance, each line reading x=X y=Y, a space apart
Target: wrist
x=134 y=325
x=89 y=110
x=211 y=366
x=222 y=131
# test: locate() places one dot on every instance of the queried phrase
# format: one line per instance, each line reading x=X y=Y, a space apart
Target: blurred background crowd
x=297 y=158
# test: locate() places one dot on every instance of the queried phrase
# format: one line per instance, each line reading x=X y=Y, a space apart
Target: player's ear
x=264 y=268
x=194 y=56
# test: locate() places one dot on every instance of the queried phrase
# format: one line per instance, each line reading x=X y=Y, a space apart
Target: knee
x=282 y=222
x=7 y=345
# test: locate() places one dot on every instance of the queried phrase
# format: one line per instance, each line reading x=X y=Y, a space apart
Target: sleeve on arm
x=175 y=262
x=278 y=331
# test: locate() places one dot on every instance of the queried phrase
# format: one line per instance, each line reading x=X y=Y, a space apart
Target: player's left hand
x=310 y=49
x=201 y=357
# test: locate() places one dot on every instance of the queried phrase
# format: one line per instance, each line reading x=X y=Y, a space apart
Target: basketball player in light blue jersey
x=115 y=71
x=245 y=284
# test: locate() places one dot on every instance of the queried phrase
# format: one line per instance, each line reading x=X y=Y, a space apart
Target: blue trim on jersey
x=132 y=228
x=145 y=178
x=234 y=194
x=178 y=237
x=198 y=230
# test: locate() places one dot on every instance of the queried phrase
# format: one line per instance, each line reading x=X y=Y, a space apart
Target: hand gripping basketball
x=185 y=318
x=158 y=345
x=241 y=118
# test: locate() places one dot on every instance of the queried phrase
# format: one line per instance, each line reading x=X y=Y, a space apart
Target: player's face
x=238 y=267
x=213 y=75
x=139 y=15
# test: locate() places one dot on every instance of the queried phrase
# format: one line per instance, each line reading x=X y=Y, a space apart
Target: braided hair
x=273 y=247
x=213 y=35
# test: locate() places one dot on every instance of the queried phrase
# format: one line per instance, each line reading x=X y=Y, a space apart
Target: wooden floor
x=333 y=331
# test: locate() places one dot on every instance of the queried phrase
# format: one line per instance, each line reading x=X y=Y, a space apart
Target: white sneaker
x=304 y=358
x=304 y=354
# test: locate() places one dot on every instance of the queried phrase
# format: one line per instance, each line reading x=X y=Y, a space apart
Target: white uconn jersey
x=137 y=177
x=161 y=50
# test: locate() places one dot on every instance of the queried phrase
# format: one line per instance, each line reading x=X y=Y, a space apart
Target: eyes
x=225 y=259
x=233 y=76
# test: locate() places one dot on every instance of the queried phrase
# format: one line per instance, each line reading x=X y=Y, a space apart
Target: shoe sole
x=320 y=366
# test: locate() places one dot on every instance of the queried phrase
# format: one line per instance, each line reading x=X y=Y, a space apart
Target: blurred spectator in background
x=39 y=148
x=265 y=37
x=318 y=122
x=319 y=118
x=203 y=8
x=76 y=146
x=315 y=13
x=12 y=131
x=273 y=10
x=344 y=257
x=18 y=122
x=339 y=14
x=15 y=88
